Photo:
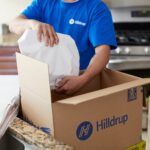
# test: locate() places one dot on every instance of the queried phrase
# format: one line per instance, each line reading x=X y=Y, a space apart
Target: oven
x=132 y=25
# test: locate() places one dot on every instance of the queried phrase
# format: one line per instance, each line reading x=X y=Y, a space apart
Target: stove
x=132 y=26
x=133 y=34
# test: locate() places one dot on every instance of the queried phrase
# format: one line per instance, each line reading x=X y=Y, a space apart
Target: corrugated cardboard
x=106 y=117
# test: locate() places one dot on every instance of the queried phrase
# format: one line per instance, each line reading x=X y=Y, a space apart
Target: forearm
x=20 y=24
x=98 y=62
x=72 y=84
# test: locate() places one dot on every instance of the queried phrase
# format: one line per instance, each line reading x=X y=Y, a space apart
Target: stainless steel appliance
x=132 y=24
x=133 y=50
x=127 y=3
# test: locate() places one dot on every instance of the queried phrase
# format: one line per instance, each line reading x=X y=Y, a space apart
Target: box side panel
x=111 y=78
x=109 y=123
x=104 y=92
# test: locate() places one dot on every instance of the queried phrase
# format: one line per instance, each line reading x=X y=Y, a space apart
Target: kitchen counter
x=35 y=137
x=8 y=40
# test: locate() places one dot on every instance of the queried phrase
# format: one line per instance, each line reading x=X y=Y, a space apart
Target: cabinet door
x=8 y=60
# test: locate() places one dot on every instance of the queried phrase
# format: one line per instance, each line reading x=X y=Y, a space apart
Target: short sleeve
x=101 y=30
x=33 y=11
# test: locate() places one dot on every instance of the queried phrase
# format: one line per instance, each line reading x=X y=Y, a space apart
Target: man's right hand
x=45 y=32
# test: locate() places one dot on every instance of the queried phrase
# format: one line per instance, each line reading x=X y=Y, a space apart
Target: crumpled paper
x=62 y=59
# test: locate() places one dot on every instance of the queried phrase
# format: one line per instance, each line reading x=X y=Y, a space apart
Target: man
x=88 y=22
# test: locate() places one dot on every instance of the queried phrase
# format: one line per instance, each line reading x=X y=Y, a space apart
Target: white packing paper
x=9 y=101
x=62 y=59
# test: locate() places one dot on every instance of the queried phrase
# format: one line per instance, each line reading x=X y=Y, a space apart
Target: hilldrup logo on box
x=85 y=129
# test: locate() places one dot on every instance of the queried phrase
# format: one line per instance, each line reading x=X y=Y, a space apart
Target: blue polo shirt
x=88 y=22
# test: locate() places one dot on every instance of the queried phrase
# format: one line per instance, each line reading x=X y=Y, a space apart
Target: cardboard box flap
x=33 y=75
x=111 y=77
x=104 y=92
x=34 y=78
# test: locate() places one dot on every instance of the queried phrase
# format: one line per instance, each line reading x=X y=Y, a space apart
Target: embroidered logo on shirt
x=72 y=21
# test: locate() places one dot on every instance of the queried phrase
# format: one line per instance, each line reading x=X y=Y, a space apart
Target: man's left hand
x=71 y=84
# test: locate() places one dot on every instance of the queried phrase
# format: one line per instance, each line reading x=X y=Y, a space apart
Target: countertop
x=8 y=40
x=35 y=137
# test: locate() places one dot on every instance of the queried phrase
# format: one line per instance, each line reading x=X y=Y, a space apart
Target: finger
x=67 y=90
x=39 y=33
x=47 y=40
x=62 y=82
x=46 y=35
x=60 y=90
x=55 y=36
x=51 y=35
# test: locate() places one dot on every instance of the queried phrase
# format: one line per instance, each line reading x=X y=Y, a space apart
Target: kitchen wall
x=127 y=3
x=10 y=8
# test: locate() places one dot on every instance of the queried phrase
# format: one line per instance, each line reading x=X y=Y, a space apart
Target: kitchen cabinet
x=8 y=60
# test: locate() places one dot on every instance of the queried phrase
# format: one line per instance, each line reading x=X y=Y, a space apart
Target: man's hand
x=71 y=84
x=45 y=32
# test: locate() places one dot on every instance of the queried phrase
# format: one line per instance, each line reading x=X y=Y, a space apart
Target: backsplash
x=11 y=8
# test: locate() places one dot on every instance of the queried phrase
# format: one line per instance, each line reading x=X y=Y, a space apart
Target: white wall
x=10 y=8
x=127 y=3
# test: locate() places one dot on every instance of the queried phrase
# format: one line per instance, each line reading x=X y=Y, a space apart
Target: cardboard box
x=105 y=115
x=139 y=146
